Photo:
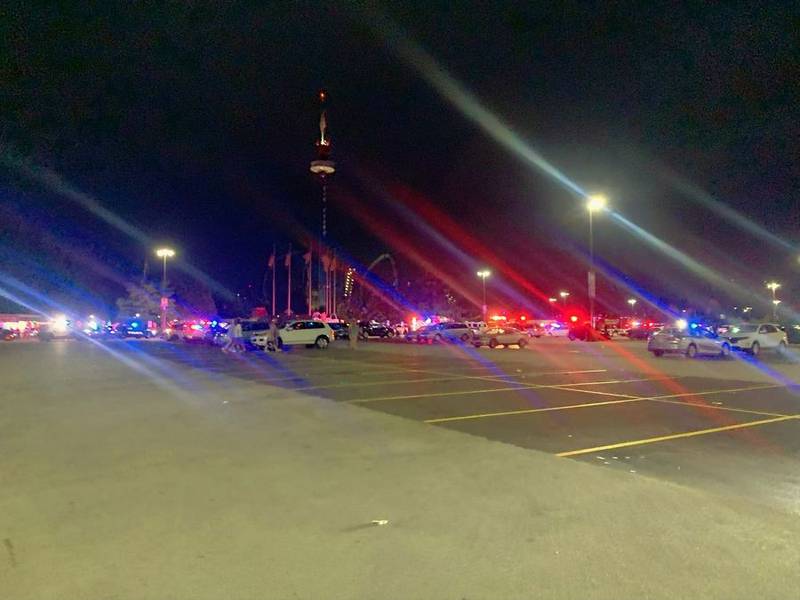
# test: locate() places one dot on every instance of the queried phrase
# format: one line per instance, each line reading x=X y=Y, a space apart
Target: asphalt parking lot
x=144 y=470
x=728 y=426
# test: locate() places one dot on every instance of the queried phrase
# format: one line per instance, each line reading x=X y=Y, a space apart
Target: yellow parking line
x=494 y=378
x=675 y=436
x=450 y=377
x=717 y=407
x=626 y=400
x=530 y=410
x=610 y=381
x=711 y=392
x=368 y=383
x=539 y=374
x=439 y=394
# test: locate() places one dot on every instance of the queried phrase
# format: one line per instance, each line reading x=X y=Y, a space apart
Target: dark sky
x=194 y=122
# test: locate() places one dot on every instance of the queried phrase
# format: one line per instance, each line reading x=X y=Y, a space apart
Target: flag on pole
x=333 y=264
x=271 y=261
x=326 y=262
x=307 y=257
x=287 y=262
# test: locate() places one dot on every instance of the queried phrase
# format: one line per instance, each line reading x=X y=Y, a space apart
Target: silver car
x=445 y=332
x=500 y=336
x=690 y=342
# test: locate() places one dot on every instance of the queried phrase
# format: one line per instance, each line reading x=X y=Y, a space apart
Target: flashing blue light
x=694 y=325
x=214 y=323
x=135 y=325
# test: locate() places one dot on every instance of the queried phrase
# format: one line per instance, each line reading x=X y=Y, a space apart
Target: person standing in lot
x=234 y=338
x=353 y=331
x=272 y=338
x=238 y=337
x=231 y=329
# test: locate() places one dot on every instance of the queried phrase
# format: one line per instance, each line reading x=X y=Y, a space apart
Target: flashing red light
x=522 y=317
x=574 y=319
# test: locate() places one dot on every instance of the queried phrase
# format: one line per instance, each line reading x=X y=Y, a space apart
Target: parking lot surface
x=146 y=469
x=698 y=423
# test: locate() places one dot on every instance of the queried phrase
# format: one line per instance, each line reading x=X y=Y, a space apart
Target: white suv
x=306 y=332
x=754 y=338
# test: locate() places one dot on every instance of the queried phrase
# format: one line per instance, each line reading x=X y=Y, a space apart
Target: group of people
x=235 y=341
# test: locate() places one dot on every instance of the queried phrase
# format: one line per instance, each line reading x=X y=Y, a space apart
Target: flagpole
x=308 y=277
x=328 y=284
x=333 y=295
x=274 y=250
x=289 y=286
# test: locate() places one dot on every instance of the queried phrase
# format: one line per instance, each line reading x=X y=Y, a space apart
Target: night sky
x=194 y=123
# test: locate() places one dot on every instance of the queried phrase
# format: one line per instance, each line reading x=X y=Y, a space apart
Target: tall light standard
x=483 y=274
x=564 y=296
x=773 y=286
x=775 y=309
x=632 y=302
x=593 y=204
x=164 y=254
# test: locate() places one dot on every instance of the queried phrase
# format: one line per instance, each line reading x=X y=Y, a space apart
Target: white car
x=754 y=338
x=311 y=332
x=557 y=329
x=500 y=336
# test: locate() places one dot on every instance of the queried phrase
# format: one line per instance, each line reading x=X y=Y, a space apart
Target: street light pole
x=772 y=286
x=590 y=282
x=164 y=254
x=594 y=203
x=483 y=274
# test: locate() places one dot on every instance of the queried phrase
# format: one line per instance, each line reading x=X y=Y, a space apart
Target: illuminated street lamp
x=632 y=302
x=483 y=274
x=564 y=298
x=775 y=309
x=773 y=286
x=594 y=204
x=164 y=254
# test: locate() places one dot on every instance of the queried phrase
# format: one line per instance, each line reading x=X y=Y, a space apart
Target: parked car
x=500 y=336
x=133 y=328
x=341 y=330
x=310 y=332
x=370 y=329
x=644 y=330
x=58 y=328
x=754 y=338
x=531 y=328
x=691 y=343
x=556 y=329
x=446 y=332
x=188 y=331
x=586 y=333
x=414 y=336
